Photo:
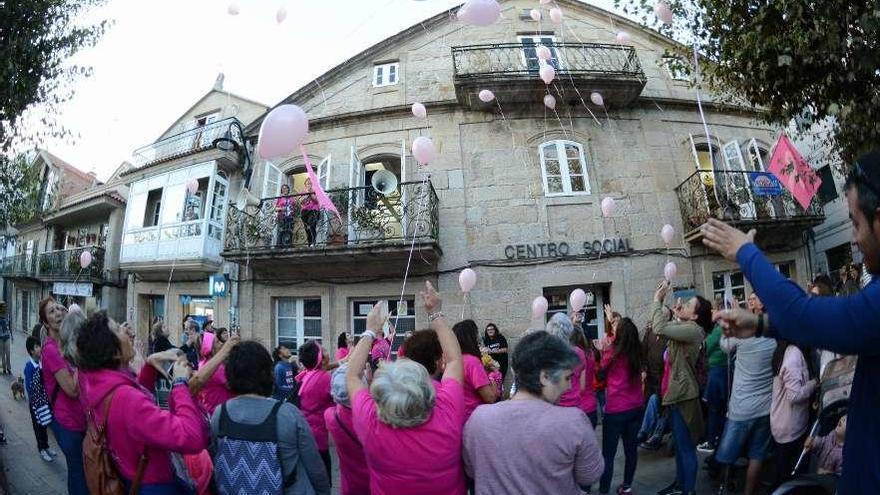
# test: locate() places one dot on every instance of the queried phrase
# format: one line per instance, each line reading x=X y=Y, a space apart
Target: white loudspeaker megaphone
x=246 y=198
x=384 y=182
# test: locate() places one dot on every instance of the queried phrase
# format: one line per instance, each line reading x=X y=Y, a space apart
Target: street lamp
x=227 y=143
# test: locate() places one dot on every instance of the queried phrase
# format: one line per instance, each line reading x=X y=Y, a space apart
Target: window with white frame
x=386 y=74
x=404 y=313
x=297 y=321
x=677 y=69
x=786 y=268
x=563 y=168
x=725 y=284
x=530 y=54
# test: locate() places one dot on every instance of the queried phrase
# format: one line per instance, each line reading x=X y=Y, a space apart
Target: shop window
x=730 y=284
x=593 y=312
x=297 y=321
x=404 y=314
x=563 y=168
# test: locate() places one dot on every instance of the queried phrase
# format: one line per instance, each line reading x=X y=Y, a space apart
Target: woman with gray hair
x=353 y=474
x=529 y=444
x=411 y=433
x=70 y=327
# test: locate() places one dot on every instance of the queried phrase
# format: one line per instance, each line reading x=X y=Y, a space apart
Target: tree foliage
x=19 y=190
x=802 y=61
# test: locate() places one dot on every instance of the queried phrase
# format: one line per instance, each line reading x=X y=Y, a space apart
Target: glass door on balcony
x=529 y=52
x=356 y=178
x=737 y=185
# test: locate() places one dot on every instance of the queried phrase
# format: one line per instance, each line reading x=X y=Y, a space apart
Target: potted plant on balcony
x=336 y=226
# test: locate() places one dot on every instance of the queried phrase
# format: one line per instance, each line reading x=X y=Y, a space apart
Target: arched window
x=564 y=168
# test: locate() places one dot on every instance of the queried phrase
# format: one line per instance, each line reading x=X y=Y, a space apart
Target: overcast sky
x=160 y=56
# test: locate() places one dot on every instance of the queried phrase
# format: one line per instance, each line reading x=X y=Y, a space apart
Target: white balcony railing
x=181 y=241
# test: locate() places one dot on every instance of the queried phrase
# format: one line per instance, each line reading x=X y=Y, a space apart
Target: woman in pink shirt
x=793 y=385
x=622 y=367
x=62 y=388
x=311 y=211
x=353 y=474
x=314 y=394
x=343 y=343
x=411 y=432
x=561 y=326
x=140 y=435
x=209 y=382
x=477 y=387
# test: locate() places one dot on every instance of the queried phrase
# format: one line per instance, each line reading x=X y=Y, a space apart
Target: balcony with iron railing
x=735 y=197
x=19 y=266
x=371 y=226
x=64 y=265
x=191 y=141
x=511 y=71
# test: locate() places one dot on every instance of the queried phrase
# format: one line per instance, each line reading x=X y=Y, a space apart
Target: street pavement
x=27 y=473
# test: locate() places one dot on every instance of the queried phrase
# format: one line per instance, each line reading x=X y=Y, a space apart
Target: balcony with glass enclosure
x=168 y=226
x=220 y=134
x=512 y=72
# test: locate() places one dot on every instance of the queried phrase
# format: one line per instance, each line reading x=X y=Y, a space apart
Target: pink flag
x=793 y=172
x=324 y=201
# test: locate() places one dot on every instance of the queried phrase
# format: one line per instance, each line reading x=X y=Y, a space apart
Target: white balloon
x=535 y=14
x=280 y=15
x=423 y=150
x=192 y=186
x=547 y=73
x=667 y=233
x=577 y=299
x=479 y=12
x=232 y=9
x=550 y=101
x=663 y=13
x=486 y=96
x=467 y=279
x=556 y=15
x=623 y=37
x=419 y=111
x=543 y=52
x=539 y=306
x=545 y=2
x=597 y=99
x=670 y=271
x=608 y=206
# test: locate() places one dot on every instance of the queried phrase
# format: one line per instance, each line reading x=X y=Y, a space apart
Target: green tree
x=19 y=190
x=803 y=61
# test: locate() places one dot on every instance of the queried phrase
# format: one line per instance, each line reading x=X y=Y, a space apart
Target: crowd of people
x=223 y=415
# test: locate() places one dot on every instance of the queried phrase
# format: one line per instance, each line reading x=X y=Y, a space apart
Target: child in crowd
x=829 y=449
x=37 y=400
x=493 y=369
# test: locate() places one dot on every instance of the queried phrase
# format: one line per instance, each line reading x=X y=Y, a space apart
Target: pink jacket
x=314 y=399
x=136 y=424
x=792 y=389
x=573 y=397
x=624 y=388
x=588 y=394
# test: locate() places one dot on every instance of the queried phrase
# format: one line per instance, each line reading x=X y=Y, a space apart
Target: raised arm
x=204 y=374
x=448 y=342
x=681 y=332
x=357 y=359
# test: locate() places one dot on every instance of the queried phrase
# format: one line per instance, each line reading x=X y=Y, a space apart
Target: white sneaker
x=52 y=452
x=706 y=447
x=46 y=457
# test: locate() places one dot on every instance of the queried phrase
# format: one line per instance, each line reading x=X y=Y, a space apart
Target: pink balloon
x=577 y=299
x=663 y=12
x=419 y=111
x=670 y=271
x=547 y=73
x=192 y=185
x=623 y=37
x=467 y=279
x=535 y=14
x=74 y=308
x=479 y=12
x=556 y=15
x=85 y=259
x=667 y=233
x=232 y=9
x=282 y=131
x=486 y=96
x=280 y=15
x=550 y=102
x=545 y=2
x=539 y=307
x=543 y=52
x=597 y=99
x=608 y=206
x=423 y=150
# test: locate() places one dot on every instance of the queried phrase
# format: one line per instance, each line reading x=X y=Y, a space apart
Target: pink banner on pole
x=324 y=201
x=794 y=172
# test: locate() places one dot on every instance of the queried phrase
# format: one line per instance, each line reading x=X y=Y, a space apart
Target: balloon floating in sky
x=282 y=131
x=539 y=306
x=479 y=12
x=423 y=150
x=545 y=2
x=577 y=299
x=543 y=52
x=547 y=73
x=486 y=96
x=192 y=185
x=623 y=37
x=419 y=111
x=467 y=279
x=232 y=9
x=550 y=102
x=597 y=99
x=663 y=13
x=535 y=14
x=85 y=259
x=556 y=15
x=670 y=271
x=667 y=233
x=608 y=206
x=280 y=15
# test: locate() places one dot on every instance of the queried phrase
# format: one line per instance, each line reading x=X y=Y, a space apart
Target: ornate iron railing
x=189 y=142
x=505 y=60
x=367 y=218
x=21 y=265
x=732 y=196
x=65 y=264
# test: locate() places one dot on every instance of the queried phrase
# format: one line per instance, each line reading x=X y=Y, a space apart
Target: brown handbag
x=102 y=477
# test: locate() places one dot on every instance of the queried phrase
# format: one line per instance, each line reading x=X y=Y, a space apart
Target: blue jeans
x=751 y=434
x=716 y=397
x=70 y=443
x=685 y=452
x=654 y=423
x=614 y=427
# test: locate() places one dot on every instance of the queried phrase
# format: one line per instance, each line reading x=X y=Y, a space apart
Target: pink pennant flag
x=794 y=172
x=324 y=201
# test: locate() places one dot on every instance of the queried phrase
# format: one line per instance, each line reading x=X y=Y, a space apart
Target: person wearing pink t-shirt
x=343 y=346
x=622 y=369
x=477 y=387
x=354 y=476
x=209 y=383
x=310 y=212
x=411 y=432
x=314 y=394
x=63 y=389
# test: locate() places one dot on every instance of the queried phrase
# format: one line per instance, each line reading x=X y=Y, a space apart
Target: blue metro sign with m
x=218 y=285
